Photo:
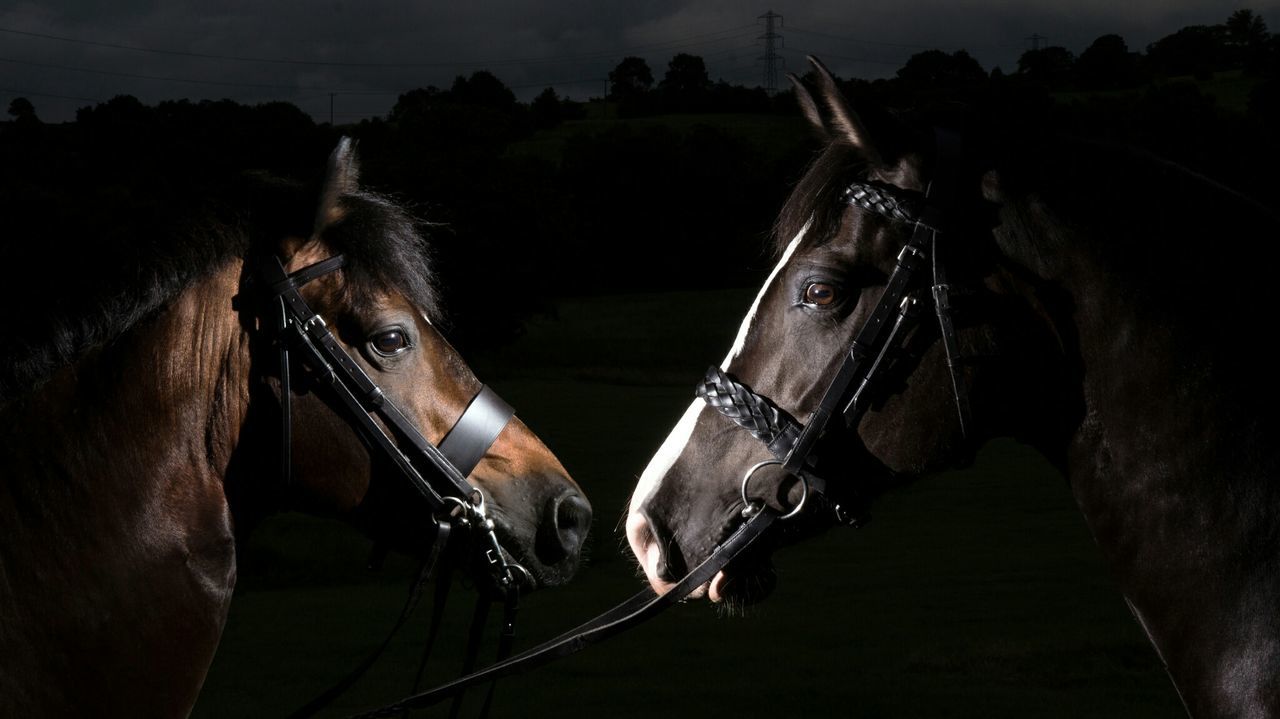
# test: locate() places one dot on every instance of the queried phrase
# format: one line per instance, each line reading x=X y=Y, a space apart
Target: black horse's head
x=381 y=309
x=836 y=257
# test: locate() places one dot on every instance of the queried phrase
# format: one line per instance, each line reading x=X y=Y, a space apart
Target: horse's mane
x=102 y=293
x=1105 y=184
x=1184 y=251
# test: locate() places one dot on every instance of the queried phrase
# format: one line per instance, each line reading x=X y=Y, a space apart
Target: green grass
x=1230 y=90
x=977 y=593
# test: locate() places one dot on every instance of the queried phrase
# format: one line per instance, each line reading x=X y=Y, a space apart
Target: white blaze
x=639 y=535
x=674 y=445
x=745 y=328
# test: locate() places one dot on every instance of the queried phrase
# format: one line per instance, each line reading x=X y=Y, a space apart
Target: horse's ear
x=808 y=107
x=847 y=127
x=343 y=178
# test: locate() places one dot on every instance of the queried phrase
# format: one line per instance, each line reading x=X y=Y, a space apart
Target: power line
x=137 y=76
x=909 y=46
x=49 y=94
x=815 y=53
x=860 y=41
x=690 y=39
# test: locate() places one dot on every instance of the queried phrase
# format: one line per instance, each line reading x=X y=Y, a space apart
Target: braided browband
x=749 y=410
x=885 y=200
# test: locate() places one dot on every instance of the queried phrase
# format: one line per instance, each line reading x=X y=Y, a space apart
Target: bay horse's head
x=792 y=376
x=364 y=446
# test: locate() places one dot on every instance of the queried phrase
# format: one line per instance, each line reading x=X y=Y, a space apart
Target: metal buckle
x=507 y=574
x=753 y=507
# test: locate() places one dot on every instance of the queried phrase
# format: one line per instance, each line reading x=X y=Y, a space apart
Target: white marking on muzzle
x=638 y=533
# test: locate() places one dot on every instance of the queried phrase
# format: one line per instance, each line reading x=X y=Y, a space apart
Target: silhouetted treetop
x=630 y=78
x=935 y=68
x=1051 y=66
x=686 y=75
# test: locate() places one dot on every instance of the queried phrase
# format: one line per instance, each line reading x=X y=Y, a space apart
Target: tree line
x=629 y=192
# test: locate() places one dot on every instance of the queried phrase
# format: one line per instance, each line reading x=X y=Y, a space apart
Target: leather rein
x=456 y=508
x=851 y=391
x=791 y=443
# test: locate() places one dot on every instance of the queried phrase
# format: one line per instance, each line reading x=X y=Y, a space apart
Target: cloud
x=386 y=46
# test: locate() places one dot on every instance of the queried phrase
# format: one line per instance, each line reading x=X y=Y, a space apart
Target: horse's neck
x=1177 y=480
x=117 y=531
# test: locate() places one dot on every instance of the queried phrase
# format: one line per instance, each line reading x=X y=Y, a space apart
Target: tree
x=1248 y=40
x=1245 y=29
x=23 y=112
x=482 y=88
x=1194 y=50
x=686 y=75
x=630 y=79
x=546 y=109
x=1106 y=64
x=686 y=86
x=935 y=69
x=1050 y=66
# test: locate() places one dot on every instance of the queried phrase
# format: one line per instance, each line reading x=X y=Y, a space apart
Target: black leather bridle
x=272 y=300
x=438 y=474
x=792 y=444
x=850 y=392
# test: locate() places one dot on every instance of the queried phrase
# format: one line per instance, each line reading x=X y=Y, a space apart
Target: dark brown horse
x=1107 y=306
x=149 y=438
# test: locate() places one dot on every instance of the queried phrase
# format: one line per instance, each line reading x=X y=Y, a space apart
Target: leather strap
x=356 y=397
x=476 y=430
x=639 y=608
x=428 y=568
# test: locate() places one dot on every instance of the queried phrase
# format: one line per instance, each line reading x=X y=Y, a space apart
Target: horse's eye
x=391 y=342
x=819 y=294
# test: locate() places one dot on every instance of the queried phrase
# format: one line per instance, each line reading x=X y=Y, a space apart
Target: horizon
x=65 y=59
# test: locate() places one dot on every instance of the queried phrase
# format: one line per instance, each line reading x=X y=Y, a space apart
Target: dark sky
x=367 y=52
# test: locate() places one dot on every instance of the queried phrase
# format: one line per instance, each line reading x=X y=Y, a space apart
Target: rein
x=791 y=443
x=437 y=473
x=898 y=310
x=639 y=608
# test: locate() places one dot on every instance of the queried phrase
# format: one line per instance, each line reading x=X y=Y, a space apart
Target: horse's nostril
x=563 y=528
x=572 y=518
x=670 y=565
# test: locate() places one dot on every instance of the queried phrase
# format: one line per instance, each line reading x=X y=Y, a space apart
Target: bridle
x=861 y=373
x=437 y=474
x=791 y=443
x=271 y=301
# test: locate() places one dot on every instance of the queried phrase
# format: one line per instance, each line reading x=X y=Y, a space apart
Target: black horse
x=139 y=441
x=1103 y=305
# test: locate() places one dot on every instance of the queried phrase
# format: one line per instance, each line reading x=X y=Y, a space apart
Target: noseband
x=850 y=391
x=438 y=474
x=791 y=443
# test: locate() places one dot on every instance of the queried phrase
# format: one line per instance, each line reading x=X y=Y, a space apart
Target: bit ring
x=746 y=479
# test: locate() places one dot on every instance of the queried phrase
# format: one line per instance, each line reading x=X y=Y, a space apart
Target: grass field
x=978 y=593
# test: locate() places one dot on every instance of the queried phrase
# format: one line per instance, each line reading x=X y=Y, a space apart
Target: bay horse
x=143 y=442
x=1098 y=303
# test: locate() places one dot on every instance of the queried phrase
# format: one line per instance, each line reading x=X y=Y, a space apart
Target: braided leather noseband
x=788 y=441
x=849 y=393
